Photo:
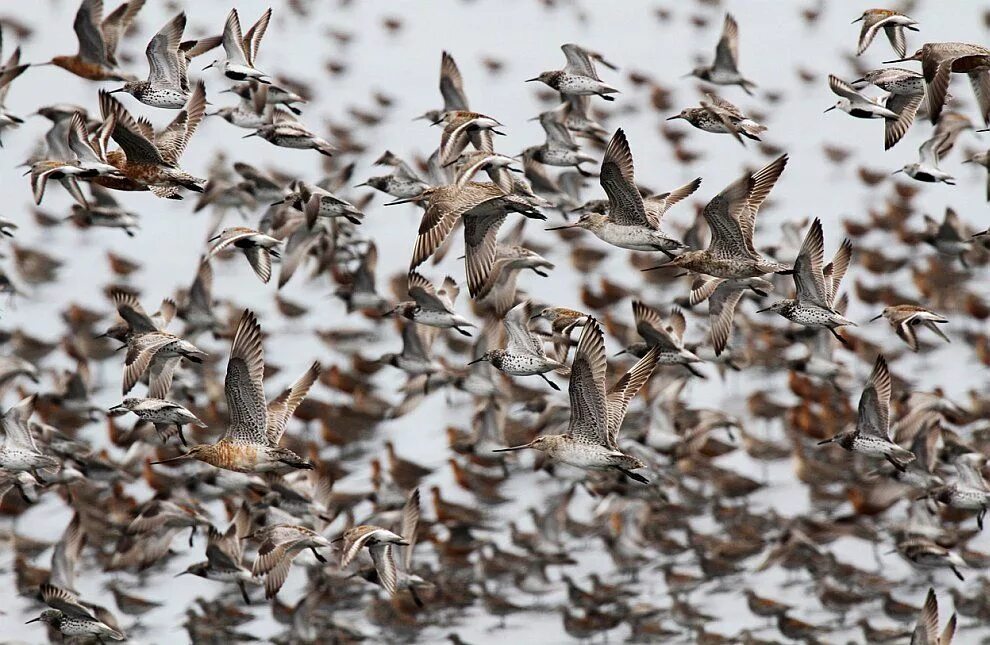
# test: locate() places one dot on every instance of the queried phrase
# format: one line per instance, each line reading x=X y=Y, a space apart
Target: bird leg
x=549 y=382
x=631 y=475
x=838 y=337
x=317 y=555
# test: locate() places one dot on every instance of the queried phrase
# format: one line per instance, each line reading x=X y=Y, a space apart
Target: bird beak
x=33 y=620
x=478 y=360
x=673 y=118
x=404 y=201
x=253 y=134
x=828 y=110
x=760 y=311
x=181 y=573
x=336 y=539
x=120 y=89
x=117 y=410
x=209 y=66
x=558 y=228
x=511 y=448
x=830 y=440
x=899 y=60
x=897 y=171
x=165 y=461
x=214 y=238
x=860 y=19
x=877 y=317
x=388 y=313
x=530 y=80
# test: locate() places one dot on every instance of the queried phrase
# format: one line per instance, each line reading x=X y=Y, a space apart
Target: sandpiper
x=98 y=40
x=560 y=149
x=274 y=95
x=905 y=318
x=579 y=75
x=721 y=117
x=11 y=69
x=816 y=286
x=258 y=248
x=19 y=452
x=403 y=183
x=360 y=293
x=724 y=70
x=379 y=542
x=970 y=491
x=150 y=160
x=72 y=618
x=926 y=630
x=462 y=127
x=149 y=347
x=939 y=60
x=924 y=553
x=892 y=23
x=499 y=288
x=562 y=321
x=242 y=50
x=430 y=306
x=315 y=201
x=907 y=90
x=668 y=336
x=936 y=147
x=165 y=415
x=167 y=85
x=523 y=354
x=225 y=554
x=596 y=415
x=483 y=207
x=250 y=444
x=495 y=165
x=856 y=103
x=626 y=224
x=731 y=215
x=280 y=544
x=982 y=159
x=286 y=132
x=871 y=436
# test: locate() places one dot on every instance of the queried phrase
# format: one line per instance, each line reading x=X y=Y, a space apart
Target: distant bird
x=906 y=318
x=907 y=90
x=379 y=543
x=280 y=544
x=579 y=76
x=430 y=306
x=289 y=133
x=892 y=23
x=523 y=354
x=257 y=247
x=926 y=631
x=668 y=336
x=940 y=60
x=721 y=117
x=165 y=415
x=242 y=50
x=596 y=414
x=724 y=70
x=935 y=148
x=19 y=451
x=871 y=436
x=982 y=159
x=98 y=39
x=855 y=103
x=451 y=89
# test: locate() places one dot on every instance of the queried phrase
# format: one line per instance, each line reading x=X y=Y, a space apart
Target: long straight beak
x=828 y=110
x=899 y=60
x=668 y=265
x=120 y=89
x=253 y=134
x=760 y=311
x=897 y=171
x=181 y=573
x=530 y=80
x=214 y=238
x=388 y=313
x=559 y=228
x=673 y=118
x=208 y=66
x=478 y=360
x=33 y=620
x=830 y=440
x=860 y=19
x=403 y=201
x=511 y=448
x=165 y=461
x=877 y=317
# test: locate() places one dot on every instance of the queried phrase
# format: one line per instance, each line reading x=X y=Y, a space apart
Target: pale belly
x=634 y=238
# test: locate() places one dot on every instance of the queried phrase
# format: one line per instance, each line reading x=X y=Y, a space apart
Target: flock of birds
x=905 y=473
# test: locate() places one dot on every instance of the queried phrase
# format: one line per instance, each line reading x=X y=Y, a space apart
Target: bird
x=816 y=286
x=280 y=544
x=855 y=103
x=626 y=223
x=926 y=630
x=935 y=148
x=251 y=442
x=892 y=23
x=579 y=77
x=19 y=451
x=71 y=618
x=163 y=414
x=871 y=435
x=98 y=38
x=379 y=543
x=906 y=318
x=724 y=70
x=224 y=555
x=167 y=85
x=289 y=133
x=258 y=248
x=907 y=91
x=242 y=50
x=669 y=337
x=719 y=116
x=939 y=61
x=523 y=354
x=430 y=306
x=596 y=414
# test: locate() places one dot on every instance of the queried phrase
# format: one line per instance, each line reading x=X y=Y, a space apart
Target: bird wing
x=936 y=75
x=481 y=225
x=172 y=141
x=252 y=40
x=128 y=133
x=244 y=384
x=906 y=106
x=422 y=291
x=410 y=522
x=65 y=601
x=980 y=81
x=282 y=407
x=381 y=555
x=809 y=278
x=163 y=53
x=727 y=49
x=451 y=85
x=132 y=312
x=867 y=33
x=721 y=310
x=763 y=182
x=650 y=325
x=578 y=61
x=895 y=34
x=520 y=338
x=589 y=405
x=722 y=214
x=658 y=205
x=620 y=394
x=115 y=24
x=836 y=269
x=17 y=432
x=844 y=89
x=233 y=40
x=625 y=203
x=92 y=48
x=969 y=474
x=874 y=405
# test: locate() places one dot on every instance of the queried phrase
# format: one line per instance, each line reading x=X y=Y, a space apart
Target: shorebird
x=926 y=630
x=982 y=159
x=315 y=201
x=165 y=415
x=668 y=336
x=560 y=149
x=816 y=286
x=403 y=183
x=462 y=127
x=225 y=554
x=274 y=95
x=721 y=117
x=242 y=50
x=935 y=148
x=19 y=452
x=11 y=69
x=856 y=103
x=523 y=354
x=451 y=89
x=98 y=40
x=149 y=347
x=495 y=165
x=280 y=544
x=379 y=543
x=627 y=224
x=939 y=60
x=724 y=70
x=723 y=295
x=892 y=23
x=430 y=306
x=562 y=322
x=72 y=618
x=250 y=444
x=499 y=289
x=969 y=491
x=731 y=216
x=258 y=248
x=167 y=85
x=905 y=318
x=360 y=293
x=149 y=160
x=596 y=415
x=924 y=553
x=579 y=75
x=907 y=90
x=416 y=357
x=871 y=436
x=483 y=207
x=286 y=132
x=950 y=237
